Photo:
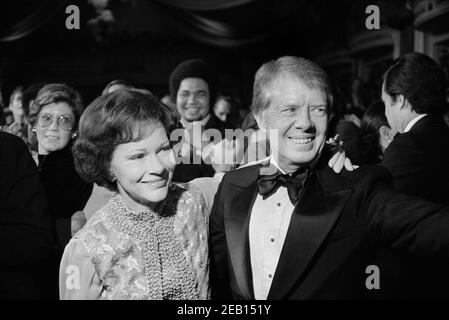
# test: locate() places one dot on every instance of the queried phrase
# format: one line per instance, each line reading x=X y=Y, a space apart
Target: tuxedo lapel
x=314 y=216
x=242 y=194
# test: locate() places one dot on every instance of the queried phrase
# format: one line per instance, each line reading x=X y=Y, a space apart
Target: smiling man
x=193 y=86
x=289 y=227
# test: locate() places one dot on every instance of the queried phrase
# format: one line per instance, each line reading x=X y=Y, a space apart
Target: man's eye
x=137 y=156
x=165 y=149
x=319 y=111
x=290 y=110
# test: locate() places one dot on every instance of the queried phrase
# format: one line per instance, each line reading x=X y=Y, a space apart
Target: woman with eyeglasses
x=54 y=117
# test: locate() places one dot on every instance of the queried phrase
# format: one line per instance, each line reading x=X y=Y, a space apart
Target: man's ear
x=401 y=101
x=386 y=134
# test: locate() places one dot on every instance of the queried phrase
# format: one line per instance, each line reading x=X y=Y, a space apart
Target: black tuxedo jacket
x=336 y=227
x=419 y=163
x=26 y=237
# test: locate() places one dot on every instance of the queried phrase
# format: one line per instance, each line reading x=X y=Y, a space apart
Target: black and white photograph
x=224 y=154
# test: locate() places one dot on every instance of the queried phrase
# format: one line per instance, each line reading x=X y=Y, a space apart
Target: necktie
x=294 y=183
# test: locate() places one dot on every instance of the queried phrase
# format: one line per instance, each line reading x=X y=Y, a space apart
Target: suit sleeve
x=25 y=223
x=405 y=223
x=219 y=273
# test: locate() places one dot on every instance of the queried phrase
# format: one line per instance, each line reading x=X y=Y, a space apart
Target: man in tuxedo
x=193 y=86
x=289 y=227
x=26 y=233
x=414 y=94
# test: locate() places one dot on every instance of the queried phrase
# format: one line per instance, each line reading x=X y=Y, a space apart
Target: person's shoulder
x=96 y=223
x=246 y=171
x=188 y=203
x=367 y=175
x=11 y=141
x=185 y=193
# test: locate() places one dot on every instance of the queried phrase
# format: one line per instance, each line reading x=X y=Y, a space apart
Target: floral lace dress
x=121 y=254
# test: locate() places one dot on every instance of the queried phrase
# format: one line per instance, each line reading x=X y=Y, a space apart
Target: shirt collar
x=409 y=126
x=187 y=124
x=274 y=162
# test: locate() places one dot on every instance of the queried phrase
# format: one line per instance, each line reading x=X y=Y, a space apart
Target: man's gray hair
x=304 y=70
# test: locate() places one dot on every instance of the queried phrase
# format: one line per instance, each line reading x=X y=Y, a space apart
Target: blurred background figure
x=367 y=143
x=226 y=109
x=54 y=118
x=116 y=85
x=168 y=101
x=14 y=117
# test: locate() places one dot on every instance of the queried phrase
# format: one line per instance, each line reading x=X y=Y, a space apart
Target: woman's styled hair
x=420 y=80
x=55 y=93
x=110 y=120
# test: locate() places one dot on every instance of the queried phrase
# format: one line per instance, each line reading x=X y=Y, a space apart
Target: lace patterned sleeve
x=191 y=226
x=77 y=277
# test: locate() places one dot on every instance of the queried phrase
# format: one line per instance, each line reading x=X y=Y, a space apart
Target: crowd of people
x=136 y=197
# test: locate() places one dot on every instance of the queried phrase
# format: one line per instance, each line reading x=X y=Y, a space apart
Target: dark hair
x=110 y=120
x=30 y=94
x=194 y=68
x=373 y=119
x=124 y=83
x=305 y=70
x=420 y=80
x=55 y=93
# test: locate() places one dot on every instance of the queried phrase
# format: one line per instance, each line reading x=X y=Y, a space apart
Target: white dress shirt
x=410 y=125
x=268 y=227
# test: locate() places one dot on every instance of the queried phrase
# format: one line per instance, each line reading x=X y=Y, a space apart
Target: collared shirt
x=188 y=125
x=410 y=125
x=268 y=227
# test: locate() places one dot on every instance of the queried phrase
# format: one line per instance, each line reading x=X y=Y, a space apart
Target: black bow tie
x=294 y=183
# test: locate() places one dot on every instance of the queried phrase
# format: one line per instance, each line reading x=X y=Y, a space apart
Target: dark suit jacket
x=334 y=231
x=419 y=163
x=187 y=172
x=419 y=160
x=25 y=224
x=66 y=191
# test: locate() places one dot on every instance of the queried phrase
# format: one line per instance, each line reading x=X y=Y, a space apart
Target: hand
x=77 y=221
x=339 y=160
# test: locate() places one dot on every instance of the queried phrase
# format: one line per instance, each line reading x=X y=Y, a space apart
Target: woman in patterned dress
x=150 y=240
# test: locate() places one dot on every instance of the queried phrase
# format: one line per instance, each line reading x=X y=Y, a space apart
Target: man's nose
x=191 y=98
x=303 y=120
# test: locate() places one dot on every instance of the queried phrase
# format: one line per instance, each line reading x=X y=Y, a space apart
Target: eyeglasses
x=64 y=122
